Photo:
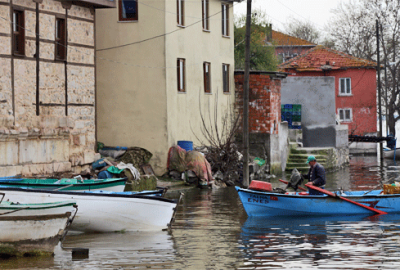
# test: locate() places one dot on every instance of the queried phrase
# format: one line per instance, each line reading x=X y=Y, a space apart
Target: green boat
x=110 y=184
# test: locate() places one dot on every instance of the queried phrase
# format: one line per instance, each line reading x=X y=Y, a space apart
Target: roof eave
x=276 y=74
x=92 y=3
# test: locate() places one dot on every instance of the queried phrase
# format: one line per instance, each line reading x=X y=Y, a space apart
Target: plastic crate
x=297 y=107
x=260 y=186
x=389 y=189
x=288 y=114
x=296 y=118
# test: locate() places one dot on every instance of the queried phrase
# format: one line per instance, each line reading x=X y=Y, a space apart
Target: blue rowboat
x=259 y=203
x=110 y=184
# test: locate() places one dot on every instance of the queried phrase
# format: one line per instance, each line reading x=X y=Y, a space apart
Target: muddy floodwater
x=212 y=231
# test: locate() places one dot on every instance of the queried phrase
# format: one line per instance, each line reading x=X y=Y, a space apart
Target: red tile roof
x=281 y=39
x=321 y=57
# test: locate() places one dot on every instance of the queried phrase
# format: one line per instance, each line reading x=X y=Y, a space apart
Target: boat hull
x=21 y=210
x=258 y=203
x=105 y=212
x=33 y=235
x=112 y=184
x=390 y=153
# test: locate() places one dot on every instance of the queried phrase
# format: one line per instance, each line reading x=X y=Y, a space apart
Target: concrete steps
x=298 y=157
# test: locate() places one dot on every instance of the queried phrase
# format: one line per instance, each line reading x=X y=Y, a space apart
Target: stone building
x=47 y=85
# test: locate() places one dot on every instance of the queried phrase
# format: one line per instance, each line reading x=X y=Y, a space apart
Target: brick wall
x=264 y=101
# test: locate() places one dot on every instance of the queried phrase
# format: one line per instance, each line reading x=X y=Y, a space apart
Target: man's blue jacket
x=317 y=174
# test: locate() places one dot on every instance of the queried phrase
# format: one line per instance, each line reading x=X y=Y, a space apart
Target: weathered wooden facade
x=47 y=85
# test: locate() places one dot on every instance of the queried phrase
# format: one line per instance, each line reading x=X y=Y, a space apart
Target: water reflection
x=352 y=242
x=212 y=231
x=129 y=250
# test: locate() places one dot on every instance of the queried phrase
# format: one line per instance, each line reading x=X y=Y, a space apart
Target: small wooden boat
x=106 y=211
x=33 y=229
x=261 y=203
x=110 y=184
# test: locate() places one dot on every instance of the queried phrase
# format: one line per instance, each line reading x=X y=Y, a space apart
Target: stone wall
x=58 y=134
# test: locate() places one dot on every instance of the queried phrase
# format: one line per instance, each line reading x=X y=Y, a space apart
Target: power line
x=158 y=36
x=110 y=60
x=298 y=14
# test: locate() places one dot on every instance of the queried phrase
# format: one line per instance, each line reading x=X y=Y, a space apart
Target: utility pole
x=246 y=99
x=386 y=99
x=379 y=90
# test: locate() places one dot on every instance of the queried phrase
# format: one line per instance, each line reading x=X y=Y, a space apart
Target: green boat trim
x=5 y=205
x=65 y=183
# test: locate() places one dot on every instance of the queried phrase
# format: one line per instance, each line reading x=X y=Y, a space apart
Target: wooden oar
x=309 y=185
x=286 y=182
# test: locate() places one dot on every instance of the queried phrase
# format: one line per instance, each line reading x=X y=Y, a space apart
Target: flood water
x=212 y=231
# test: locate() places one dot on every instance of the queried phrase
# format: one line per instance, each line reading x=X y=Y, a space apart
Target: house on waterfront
x=355 y=84
x=47 y=85
x=161 y=66
x=286 y=46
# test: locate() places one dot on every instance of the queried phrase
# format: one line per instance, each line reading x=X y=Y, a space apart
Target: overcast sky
x=316 y=11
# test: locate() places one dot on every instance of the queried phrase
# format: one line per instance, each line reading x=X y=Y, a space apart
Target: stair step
x=301 y=164
x=296 y=160
x=306 y=155
x=300 y=169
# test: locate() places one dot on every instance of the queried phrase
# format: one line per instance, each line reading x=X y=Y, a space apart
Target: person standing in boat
x=316 y=175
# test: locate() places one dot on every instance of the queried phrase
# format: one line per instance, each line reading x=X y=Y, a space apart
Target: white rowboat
x=99 y=212
x=33 y=229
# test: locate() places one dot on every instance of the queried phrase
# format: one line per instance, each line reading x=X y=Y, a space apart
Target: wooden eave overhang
x=93 y=3
x=330 y=69
x=274 y=74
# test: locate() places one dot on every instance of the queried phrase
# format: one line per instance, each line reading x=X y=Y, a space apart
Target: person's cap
x=310 y=158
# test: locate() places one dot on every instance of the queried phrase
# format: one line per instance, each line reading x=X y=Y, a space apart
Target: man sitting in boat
x=316 y=175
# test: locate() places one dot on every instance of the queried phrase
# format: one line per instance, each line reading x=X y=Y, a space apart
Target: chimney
x=268 y=33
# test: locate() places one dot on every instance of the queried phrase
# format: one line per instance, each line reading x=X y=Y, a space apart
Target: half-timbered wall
x=47 y=105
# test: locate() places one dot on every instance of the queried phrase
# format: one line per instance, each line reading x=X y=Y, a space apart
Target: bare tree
x=353 y=30
x=218 y=132
x=302 y=29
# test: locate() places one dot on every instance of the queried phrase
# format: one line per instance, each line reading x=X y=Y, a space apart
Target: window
x=344 y=86
x=128 y=10
x=225 y=78
x=207 y=77
x=225 y=20
x=345 y=115
x=60 y=39
x=18 y=32
x=181 y=74
x=204 y=5
x=180 y=11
